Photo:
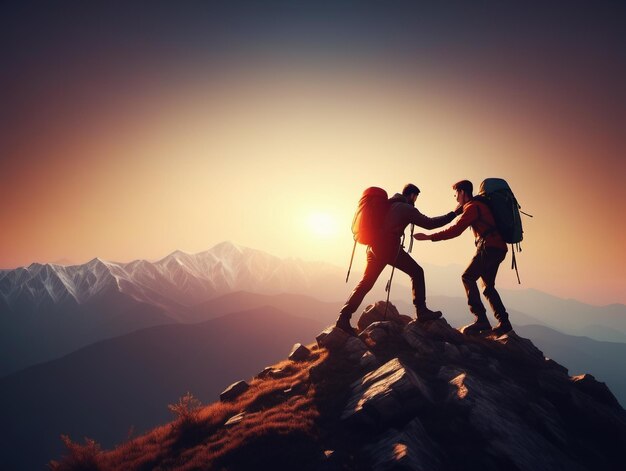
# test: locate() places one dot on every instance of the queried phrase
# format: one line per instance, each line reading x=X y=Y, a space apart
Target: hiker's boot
x=343 y=323
x=480 y=325
x=503 y=327
x=423 y=314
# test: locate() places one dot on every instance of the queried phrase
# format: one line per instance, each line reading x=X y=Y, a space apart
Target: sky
x=131 y=130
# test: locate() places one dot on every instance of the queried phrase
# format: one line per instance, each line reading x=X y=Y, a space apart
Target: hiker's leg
x=373 y=270
x=404 y=262
x=469 y=278
x=492 y=258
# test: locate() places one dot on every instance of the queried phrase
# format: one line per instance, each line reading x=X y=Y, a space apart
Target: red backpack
x=369 y=218
x=370 y=215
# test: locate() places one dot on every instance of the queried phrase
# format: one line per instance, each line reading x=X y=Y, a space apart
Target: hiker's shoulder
x=398 y=199
x=472 y=207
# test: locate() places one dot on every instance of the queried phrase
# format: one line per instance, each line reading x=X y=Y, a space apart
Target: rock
x=410 y=449
x=447 y=373
x=376 y=313
x=332 y=338
x=265 y=373
x=599 y=391
x=299 y=353
x=499 y=412
x=234 y=390
x=464 y=350
x=380 y=332
x=438 y=330
x=451 y=351
x=381 y=396
x=270 y=372
x=549 y=363
x=368 y=361
x=235 y=419
x=354 y=348
x=521 y=348
x=416 y=337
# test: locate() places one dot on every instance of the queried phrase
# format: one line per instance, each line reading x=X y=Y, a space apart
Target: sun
x=323 y=224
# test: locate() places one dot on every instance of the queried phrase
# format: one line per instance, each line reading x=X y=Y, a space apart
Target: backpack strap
x=489 y=231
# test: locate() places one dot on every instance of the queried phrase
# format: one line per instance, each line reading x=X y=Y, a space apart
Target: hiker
x=387 y=249
x=490 y=251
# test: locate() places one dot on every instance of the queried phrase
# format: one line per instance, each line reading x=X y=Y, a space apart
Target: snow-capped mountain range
x=178 y=280
x=48 y=310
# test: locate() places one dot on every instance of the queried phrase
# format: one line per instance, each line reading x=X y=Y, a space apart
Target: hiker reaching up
x=491 y=250
x=386 y=249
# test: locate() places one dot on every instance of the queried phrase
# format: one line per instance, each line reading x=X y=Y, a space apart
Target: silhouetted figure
x=490 y=251
x=387 y=250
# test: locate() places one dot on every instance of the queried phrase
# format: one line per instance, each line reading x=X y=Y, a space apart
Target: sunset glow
x=323 y=225
x=272 y=149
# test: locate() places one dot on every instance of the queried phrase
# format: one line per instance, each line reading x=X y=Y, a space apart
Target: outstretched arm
x=466 y=220
x=424 y=221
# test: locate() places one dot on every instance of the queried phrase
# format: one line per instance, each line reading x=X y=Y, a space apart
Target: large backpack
x=369 y=218
x=497 y=194
x=370 y=215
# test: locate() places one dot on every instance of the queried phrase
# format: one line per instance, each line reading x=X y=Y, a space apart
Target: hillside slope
x=105 y=390
x=400 y=396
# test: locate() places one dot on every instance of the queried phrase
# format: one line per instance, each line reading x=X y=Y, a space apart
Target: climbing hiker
x=385 y=248
x=490 y=251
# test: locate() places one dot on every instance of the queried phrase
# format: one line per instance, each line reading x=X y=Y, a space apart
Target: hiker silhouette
x=491 y=250
x=380 y=224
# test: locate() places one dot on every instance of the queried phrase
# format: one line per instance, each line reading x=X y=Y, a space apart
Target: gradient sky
x=130 y=131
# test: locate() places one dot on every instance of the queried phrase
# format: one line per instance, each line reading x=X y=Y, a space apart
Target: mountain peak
x=226 y=245
x=401 y=395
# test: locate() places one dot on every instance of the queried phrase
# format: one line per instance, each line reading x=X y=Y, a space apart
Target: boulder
x=417 y=339
x=380 y=332
x=499 y=412
x=233 y=391
x=368 y=361
x=354 y=348
x=332 y=338
x=299 y=353
x=520 y=348
x=439 y=329
x=376 y=313
x=383 y=394
x=596 y=389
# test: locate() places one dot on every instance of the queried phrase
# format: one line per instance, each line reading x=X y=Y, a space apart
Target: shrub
x=186 y=410
x=80 y=457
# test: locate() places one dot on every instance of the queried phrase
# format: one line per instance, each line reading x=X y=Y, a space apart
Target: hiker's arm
x=469 y=216
x=421 y=220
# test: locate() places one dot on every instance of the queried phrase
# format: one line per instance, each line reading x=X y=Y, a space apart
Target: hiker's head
x=410 y=192
x=463 y=191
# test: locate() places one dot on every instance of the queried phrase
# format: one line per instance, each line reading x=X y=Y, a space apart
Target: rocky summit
x=402 y=395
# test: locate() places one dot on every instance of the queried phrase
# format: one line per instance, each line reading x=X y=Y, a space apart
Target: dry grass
x=198 y=439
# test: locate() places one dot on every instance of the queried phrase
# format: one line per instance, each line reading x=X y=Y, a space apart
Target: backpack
x=369 y=218
x=498 y=196
x=370 y=215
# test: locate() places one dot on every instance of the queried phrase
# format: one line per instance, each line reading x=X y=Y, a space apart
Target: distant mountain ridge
x=179 y=279
x=50 y=310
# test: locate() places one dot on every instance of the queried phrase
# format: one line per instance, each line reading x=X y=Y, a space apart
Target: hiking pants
x=377 y=259
x=484 y=265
